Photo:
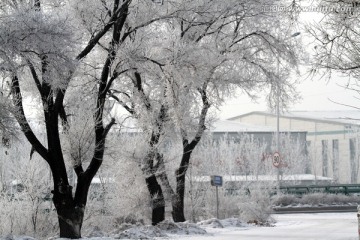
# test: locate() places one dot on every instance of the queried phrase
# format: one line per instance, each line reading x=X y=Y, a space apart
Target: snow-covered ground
x=329 y=226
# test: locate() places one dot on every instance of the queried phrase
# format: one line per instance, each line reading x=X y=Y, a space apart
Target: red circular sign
x=276 y=159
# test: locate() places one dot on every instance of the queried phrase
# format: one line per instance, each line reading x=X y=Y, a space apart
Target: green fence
x=334 y=189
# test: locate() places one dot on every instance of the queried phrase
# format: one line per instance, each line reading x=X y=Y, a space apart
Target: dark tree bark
x=178 y=199
x=188 y=147
x=70 y=208
x=70 y=216
x=155 y=190
x=157 y=200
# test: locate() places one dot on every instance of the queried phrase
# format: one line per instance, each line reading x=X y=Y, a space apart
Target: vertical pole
x=278 y=105
x=278 y=115
x=217 y=203
x=358 y=216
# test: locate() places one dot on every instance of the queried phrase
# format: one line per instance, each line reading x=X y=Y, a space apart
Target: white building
x=332 y=139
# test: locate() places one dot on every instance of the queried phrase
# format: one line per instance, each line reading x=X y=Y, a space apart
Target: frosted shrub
x=284 y=200
x=236 y=160
x=203 y=204
x=115 y=204
x=196 y=201
x=130 y=196
x=228 y=207
x=25 y=201
x=121 y=195
x=14 y=217
x=22 y=215
x=314 y=199
x=328 y=199
x=256 y=205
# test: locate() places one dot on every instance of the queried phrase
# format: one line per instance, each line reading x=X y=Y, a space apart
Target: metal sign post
x=217 y=182
x=276 y=163
x=358 y=216
x=217 y=202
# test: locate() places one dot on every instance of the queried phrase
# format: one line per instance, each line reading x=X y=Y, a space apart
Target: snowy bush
x=314 y=199
x=25 y=206
x=120 y=195
x=228 y=204
x=230 y=157
x=256 y=206
x=284 y=199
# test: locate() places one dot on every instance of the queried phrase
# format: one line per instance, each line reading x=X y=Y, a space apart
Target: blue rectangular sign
x=216 y=181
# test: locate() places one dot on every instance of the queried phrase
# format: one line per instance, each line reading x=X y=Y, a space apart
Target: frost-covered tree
x=8 y=127
x=43 y=46
x=192 y=60
x=218 y=53
x=336 y=48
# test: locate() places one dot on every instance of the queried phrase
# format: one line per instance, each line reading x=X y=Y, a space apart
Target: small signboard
x=276 y=159
x=216 y=181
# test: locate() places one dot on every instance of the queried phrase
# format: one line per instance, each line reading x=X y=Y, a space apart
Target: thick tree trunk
x=70 y=222
x=157 y=200
x=70 y=215
x=178 y=199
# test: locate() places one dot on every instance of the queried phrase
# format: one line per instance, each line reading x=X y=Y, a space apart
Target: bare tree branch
x=94 y=40
x=21 y=119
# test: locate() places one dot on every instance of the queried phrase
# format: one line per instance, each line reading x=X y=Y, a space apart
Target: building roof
x=220 y=126
x=232 y=126
x=227 y=126
x=351 y=117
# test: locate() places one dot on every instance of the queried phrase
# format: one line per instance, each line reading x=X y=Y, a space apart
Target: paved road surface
x=317 y=226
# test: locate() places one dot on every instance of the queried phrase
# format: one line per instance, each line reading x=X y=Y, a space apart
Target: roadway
x=314 y=226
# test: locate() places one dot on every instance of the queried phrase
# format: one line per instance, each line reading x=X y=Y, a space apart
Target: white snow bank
x=11 y=237
x=141 y=232
x=233 y=222
x=164 y=230
x=184 y=228
x=213 y=222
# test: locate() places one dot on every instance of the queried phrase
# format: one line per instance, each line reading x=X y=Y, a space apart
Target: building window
x=308 y=158
x=353 y=163
x=335 y=159
x=324 y=151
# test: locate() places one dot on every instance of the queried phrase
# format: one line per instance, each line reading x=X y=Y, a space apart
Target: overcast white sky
x=316 y=94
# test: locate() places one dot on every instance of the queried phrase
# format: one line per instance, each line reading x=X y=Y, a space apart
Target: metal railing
x=334 y=189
